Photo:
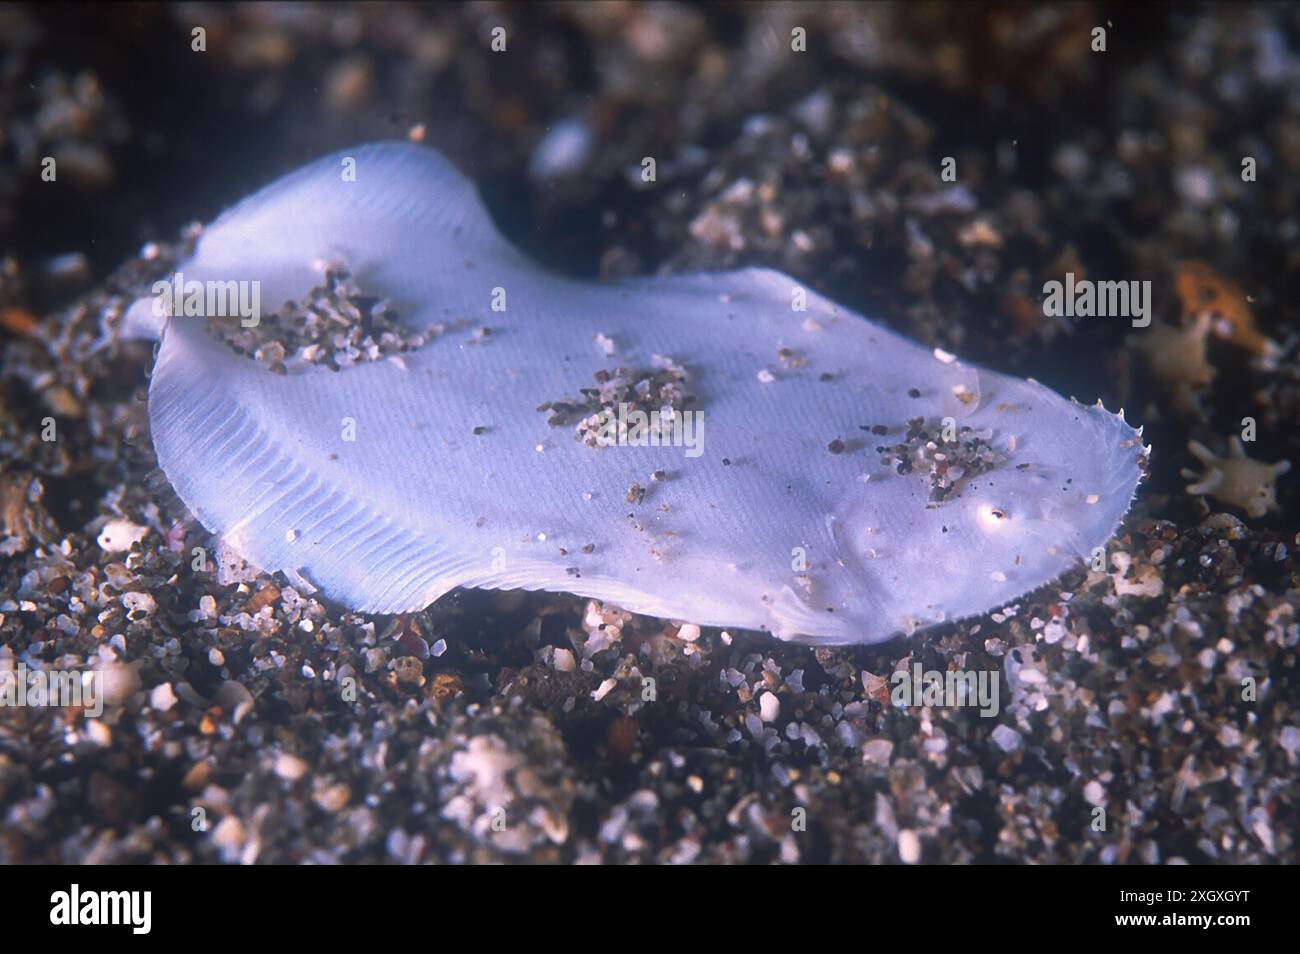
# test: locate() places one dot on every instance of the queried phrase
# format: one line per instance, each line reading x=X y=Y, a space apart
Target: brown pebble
x=444 y=685
x=621 y=738
x=110 y=800
x=263 y=597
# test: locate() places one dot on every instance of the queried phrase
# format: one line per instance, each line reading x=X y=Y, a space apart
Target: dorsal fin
x=376 y=208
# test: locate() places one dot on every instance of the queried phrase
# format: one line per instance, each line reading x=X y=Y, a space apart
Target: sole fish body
x=389 y=483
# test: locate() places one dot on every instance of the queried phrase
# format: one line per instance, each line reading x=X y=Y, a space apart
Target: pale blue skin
x=418 y=504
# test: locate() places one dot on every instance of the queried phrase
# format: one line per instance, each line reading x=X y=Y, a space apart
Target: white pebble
x=162 y=698
x=1007 y=738
x=119 y=535
x=139 y=601
x=229 y=835
x=562 y=151
x=99 y=733
x=1195 y=184
x=909 y=846
x=120 y=681
x=289 y=767
x=877 y=751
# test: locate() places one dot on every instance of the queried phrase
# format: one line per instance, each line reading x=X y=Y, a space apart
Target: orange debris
x=1202 y=291
x=18 y=320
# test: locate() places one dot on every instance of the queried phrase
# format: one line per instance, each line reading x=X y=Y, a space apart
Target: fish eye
x=992 y=517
